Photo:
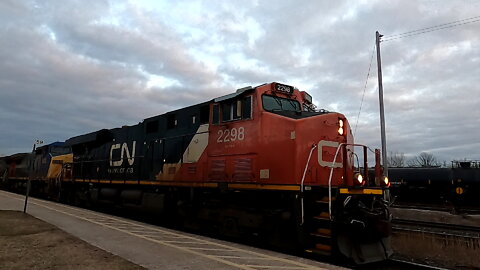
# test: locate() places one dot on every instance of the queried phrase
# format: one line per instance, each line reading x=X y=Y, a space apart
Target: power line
x=432 y=28
x=408 y=34
x=364 y=88
x=436 y=26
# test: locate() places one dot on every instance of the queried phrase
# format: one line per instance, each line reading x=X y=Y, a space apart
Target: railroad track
x=442 y=208
x=442 y=240
x=402 y=223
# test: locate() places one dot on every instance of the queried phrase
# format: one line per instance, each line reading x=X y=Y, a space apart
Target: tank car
x=458 y=185
x=260 y=161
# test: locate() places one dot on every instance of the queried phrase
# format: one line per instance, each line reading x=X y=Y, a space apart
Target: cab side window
x=172 y=121
x=247 y=108
x=216 y=114
x=232 y=110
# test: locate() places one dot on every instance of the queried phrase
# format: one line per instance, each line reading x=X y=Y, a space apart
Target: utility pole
x=30 y=175
x=32 y=160
x=382 y=112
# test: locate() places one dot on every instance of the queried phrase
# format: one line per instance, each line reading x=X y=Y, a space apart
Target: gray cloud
x=68 y=69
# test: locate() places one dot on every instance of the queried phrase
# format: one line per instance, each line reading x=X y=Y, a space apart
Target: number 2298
x=231 y=135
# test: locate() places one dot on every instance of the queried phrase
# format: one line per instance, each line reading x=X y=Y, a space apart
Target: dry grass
x=452 y=252
x=29 y=243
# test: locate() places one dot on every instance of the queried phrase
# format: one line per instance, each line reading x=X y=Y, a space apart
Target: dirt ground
x=29 y=243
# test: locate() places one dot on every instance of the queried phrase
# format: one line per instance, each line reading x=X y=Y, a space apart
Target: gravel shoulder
x=29 y=243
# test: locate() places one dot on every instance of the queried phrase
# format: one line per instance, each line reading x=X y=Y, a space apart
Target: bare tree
x=423 y=160
x=396 y=159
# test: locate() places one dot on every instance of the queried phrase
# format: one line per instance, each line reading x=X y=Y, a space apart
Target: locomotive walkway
x=151 y=246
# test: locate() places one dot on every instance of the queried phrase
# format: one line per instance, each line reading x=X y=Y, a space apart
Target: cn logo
x=323 y=162
x=123 y=152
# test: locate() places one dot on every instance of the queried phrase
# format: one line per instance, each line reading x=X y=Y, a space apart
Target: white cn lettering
x=324 y=163
x=115 y=163
x=124 y=151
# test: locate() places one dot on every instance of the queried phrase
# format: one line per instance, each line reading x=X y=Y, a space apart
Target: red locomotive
x=260 y=161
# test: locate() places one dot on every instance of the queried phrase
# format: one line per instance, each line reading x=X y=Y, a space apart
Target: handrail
x=303 y=180
x=331 y=174
x=330 y=181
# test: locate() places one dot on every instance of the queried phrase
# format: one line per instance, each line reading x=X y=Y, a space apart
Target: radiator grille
x=217 y=169
x=192 y=169
x=243 y=169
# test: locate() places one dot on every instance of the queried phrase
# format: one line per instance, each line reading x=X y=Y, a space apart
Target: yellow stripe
x=18 y=178
x=158 y=183
x=186 y=184
x=262 y=186
x=195 y=184
x=374 y=191
x=361 y=191
x=87 y=180
x=131 y=182
x=116 y=182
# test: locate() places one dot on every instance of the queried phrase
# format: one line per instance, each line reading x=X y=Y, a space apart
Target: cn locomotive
x=260 y=161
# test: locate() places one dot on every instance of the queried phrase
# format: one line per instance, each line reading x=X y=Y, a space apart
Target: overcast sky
x=72 y=67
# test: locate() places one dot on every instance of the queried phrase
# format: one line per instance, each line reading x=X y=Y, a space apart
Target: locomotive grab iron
x=258 y=161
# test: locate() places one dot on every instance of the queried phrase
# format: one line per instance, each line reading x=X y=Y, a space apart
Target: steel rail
x=401 y=223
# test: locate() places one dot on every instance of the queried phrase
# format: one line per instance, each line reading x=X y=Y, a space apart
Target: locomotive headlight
x=358 y=178
x=340 y=126
x=385 y=181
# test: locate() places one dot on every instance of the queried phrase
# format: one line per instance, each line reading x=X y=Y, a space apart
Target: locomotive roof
x=218 y=99
x=234 y=95
x=105 y=134
x=177 y=110
x=18 y=156
x=89 y=137
x=52 y=144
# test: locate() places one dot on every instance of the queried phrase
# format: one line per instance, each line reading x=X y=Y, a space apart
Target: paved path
x=151 y=246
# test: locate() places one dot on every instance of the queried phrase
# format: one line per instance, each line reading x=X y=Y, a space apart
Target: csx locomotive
x=261 y=161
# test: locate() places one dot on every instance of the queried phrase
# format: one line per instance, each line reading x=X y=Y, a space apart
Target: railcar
x=261 y=161
x=15 y=166
x=43 y=167
x=458 y=185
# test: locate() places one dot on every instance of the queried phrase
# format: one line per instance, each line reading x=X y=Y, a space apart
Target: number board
x=287 y=89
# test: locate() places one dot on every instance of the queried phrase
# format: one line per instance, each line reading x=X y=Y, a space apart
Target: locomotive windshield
x=273 y=103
